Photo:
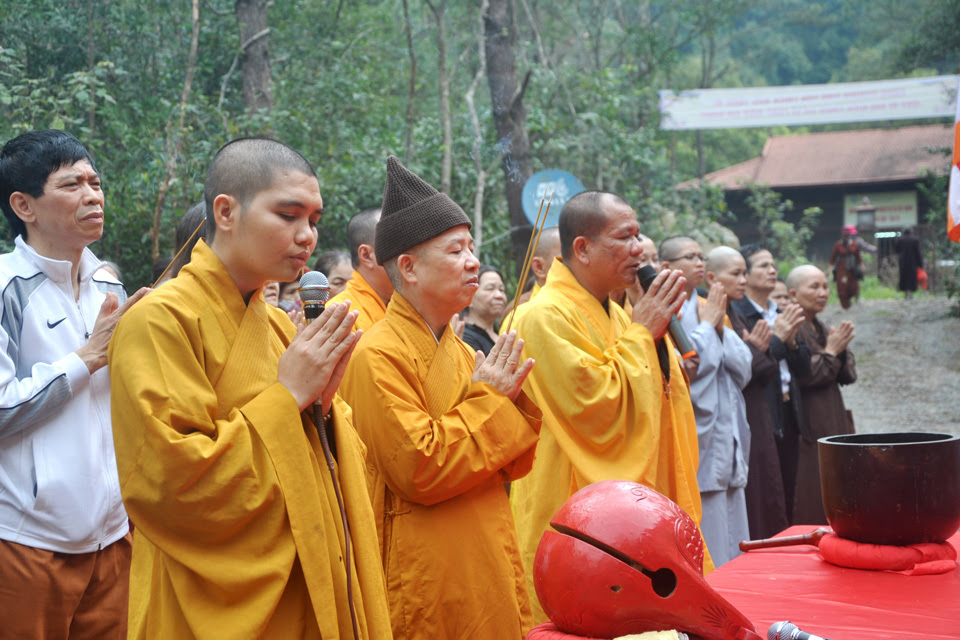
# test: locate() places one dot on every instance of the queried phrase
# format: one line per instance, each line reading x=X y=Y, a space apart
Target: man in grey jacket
x=64 y=541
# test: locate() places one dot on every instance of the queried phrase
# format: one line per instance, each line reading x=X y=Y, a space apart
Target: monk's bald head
x=547 y=250
x=799 y=275
x=720 y=258
x=245 y=167
x=672 y=248
x=585 y=215
x=361 y=230
x=549 y=245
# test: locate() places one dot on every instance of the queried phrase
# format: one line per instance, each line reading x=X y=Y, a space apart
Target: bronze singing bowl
x=891 y=488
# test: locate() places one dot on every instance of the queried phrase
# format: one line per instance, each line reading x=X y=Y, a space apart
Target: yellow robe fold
x=606 y=407
x=367 y=302
x=440 y=448
x=238 y=533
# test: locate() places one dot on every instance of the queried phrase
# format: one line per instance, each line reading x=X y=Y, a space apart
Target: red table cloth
x=796 y=584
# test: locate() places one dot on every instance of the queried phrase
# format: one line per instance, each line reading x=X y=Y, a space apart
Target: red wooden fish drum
x=622 y=558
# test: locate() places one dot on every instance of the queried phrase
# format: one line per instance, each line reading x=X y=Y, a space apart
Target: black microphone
x=314 y=291
x=646 y=274
x=788 y=631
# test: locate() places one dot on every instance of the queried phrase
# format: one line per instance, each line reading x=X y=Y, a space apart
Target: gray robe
x=722 y=433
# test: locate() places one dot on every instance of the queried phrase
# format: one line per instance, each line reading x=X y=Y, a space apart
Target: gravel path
x=908 y=364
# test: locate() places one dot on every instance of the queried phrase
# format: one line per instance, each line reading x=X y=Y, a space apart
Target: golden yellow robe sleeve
x=237 y=529
x=440 y=448
x=608 y=411
x=367 y=302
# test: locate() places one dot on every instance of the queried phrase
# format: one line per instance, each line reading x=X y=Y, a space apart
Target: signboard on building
x=932 y=97
x=541 y=185
x=894 y=209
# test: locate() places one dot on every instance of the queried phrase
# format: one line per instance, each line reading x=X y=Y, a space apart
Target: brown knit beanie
x=412 y=212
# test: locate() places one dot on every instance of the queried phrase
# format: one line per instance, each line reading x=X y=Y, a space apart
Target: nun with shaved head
x=831 y=365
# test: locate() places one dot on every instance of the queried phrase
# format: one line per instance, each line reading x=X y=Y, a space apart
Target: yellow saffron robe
x=440 y=448
x=606 y=410
x=364 y=300
x=237 y=529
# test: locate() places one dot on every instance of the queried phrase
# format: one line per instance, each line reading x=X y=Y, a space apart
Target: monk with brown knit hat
x=444 y=429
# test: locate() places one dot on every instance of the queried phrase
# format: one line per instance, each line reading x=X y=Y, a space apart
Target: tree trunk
x=91 y=67
x=174 y=137
x=446 y=122
x=510 y=118
x=255 y=56
x=412 y=86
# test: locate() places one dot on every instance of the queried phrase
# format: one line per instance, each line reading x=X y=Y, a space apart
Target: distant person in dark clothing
x=480 y=331
x=847 y=266
x=908 y=248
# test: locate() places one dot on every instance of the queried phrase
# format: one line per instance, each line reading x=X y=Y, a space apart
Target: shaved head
x=361 y=230
x=245 y=167
x=585 y=214
x=800 y=274
x=720 y=257
x=549 y=246
x=547 y=250
x=671 y=247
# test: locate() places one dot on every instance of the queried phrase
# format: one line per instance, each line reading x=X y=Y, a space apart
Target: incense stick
x=185 y=245
x=528 y=259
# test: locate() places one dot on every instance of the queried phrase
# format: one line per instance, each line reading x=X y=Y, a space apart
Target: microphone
x=788 y=631
x=314 y=291
x=646 y=274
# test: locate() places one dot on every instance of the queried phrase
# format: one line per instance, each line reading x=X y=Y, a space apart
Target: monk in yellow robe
x=369 y=289
x=548 y=248
x=444 y=429
x=609 y=410
x=238 y=531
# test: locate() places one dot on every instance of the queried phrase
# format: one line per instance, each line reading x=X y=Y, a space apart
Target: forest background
x=474 y=95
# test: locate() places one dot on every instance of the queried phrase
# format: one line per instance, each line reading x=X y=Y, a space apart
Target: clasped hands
x=502 y=368
x=313 y=365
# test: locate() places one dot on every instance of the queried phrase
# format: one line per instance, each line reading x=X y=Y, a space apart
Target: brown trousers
x=45 y=595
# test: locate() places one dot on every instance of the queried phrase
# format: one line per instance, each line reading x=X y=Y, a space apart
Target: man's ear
x=226 y=212
x=536 y=265
x=580 y=250
x=710 y=277
x=367 y=256
x=793 y=294
x=406 y=265
x=22 y=205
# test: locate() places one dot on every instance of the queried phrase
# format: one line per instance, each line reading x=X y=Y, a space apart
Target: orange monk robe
x=369 y=305
x=238 y=533
x=607 y=411
x=440 y=448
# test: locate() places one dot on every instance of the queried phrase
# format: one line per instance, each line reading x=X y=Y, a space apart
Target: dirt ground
x=908 y=364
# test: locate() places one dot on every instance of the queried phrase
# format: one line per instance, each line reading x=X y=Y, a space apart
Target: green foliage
x=939 y=250
x=785 y=240
x=112 y=74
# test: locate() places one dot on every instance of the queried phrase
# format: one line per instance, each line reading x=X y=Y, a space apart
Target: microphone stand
x=321 y=425
x=311 y=311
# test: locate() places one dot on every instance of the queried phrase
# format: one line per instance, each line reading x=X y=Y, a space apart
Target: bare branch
x=174 y=138
x=233 y=67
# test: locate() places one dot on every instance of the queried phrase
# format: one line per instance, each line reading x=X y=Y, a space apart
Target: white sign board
x=933 y=97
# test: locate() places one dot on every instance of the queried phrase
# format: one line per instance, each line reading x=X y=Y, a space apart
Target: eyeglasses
x=690 y=256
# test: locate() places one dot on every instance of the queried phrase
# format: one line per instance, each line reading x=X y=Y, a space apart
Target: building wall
x=829 y=198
